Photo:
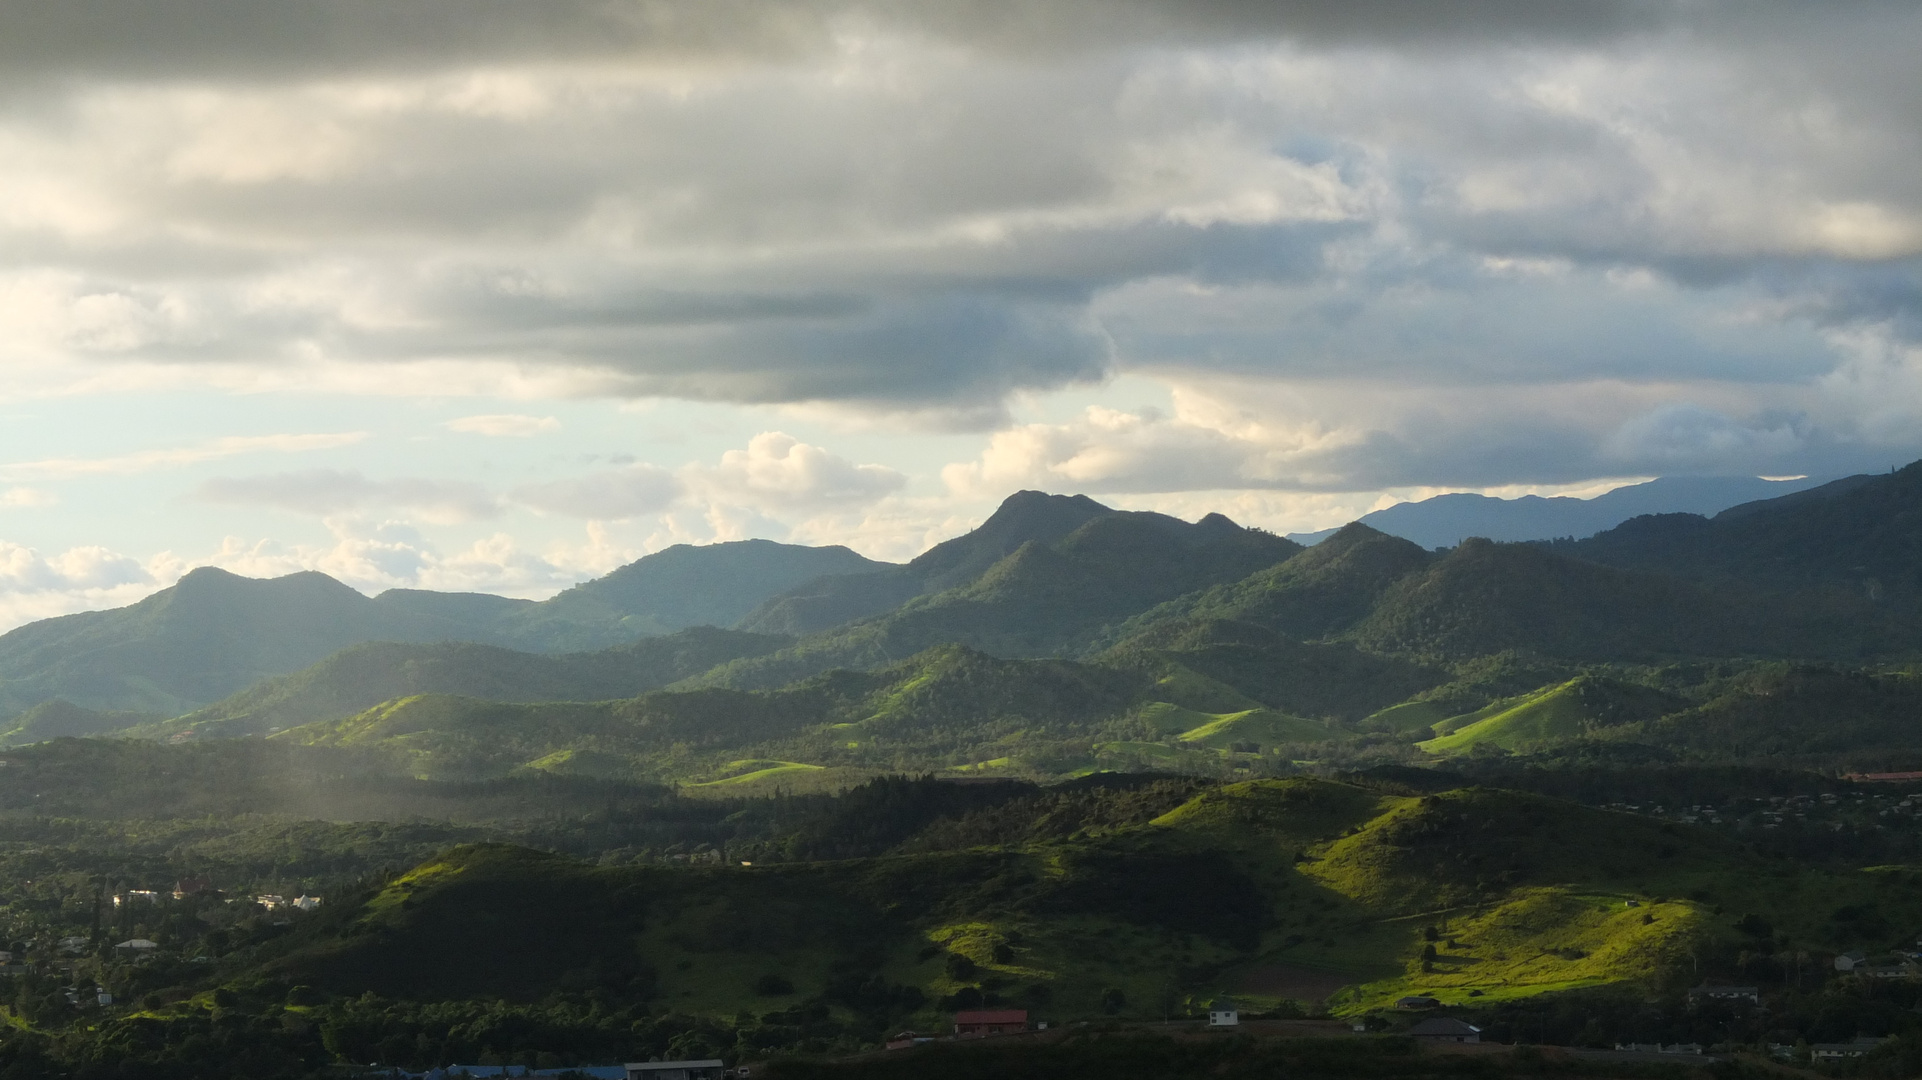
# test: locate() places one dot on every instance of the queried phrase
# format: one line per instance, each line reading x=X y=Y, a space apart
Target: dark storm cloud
x=215 y=39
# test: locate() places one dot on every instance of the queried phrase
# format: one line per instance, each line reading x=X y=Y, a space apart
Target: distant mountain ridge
x=214 y=633
x=1858 y=538
x=1447 y=520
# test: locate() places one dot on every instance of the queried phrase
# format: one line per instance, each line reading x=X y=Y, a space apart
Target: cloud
x=36 y=586
x=20 y=497
x=614 y=495
x=1361 y=437
x=172 y=457
x=776 y=478
x=779 y=474
x=938 y=209
x=504 y=425
x=325 y=492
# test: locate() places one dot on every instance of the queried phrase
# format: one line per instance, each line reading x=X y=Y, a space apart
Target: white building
x=1223 y=1013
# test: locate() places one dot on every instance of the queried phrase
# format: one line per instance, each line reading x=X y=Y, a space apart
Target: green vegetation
x=1101 y=766
x=1573 y=710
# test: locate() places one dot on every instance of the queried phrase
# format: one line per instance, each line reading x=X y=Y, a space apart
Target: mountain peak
x=1023 y=517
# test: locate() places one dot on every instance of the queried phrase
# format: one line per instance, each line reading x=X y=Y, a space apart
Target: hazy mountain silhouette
x=214 y=633
x=1447 y=520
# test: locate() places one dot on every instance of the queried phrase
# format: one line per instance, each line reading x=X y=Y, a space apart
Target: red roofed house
x=971 y=1025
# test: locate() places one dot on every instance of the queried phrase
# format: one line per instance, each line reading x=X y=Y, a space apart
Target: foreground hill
x=1217 y=894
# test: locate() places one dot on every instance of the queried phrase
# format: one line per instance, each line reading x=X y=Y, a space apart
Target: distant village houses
x=979 y=1022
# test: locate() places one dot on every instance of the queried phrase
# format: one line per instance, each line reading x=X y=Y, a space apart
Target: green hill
x=1483 y=598
x=1316 y=679
x=1797 y=714
x=363 y=676
x=1575 y=709
x=948 y=706
x=1319 y=592
x=1259 y=728
x=673 y=589
x=208 y=636
x=55 y=719
x=1041 y=599
x=1022 y=518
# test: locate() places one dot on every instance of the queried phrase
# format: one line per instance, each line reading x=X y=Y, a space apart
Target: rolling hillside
x=363 y=676
x=946 y=706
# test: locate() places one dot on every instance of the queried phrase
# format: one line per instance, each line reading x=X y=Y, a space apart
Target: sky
x=498 y=295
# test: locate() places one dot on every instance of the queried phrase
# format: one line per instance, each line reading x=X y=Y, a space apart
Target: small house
x=138 y=946
x=306 y=903
x=1849 y=961
x=1223 y=1013
x=708 y=1069
x=191 y=886
x=1446 y=1029
x=1416 y=1001
x=976 y=1023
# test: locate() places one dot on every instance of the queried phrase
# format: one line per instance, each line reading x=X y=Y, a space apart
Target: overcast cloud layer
x=1360 y=248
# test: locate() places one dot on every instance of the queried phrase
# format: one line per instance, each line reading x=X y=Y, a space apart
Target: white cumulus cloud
x=504 y=425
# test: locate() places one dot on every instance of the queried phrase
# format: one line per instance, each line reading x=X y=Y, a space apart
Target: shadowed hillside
x=362 y=676
x=1040 y=599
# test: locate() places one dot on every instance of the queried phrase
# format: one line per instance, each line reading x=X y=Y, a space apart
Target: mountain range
x=1110 y=636
x=1446 y=520
x=214 y=633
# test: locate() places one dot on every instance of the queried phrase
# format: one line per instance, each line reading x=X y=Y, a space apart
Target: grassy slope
x=1570 y=710
x=1791 y=712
